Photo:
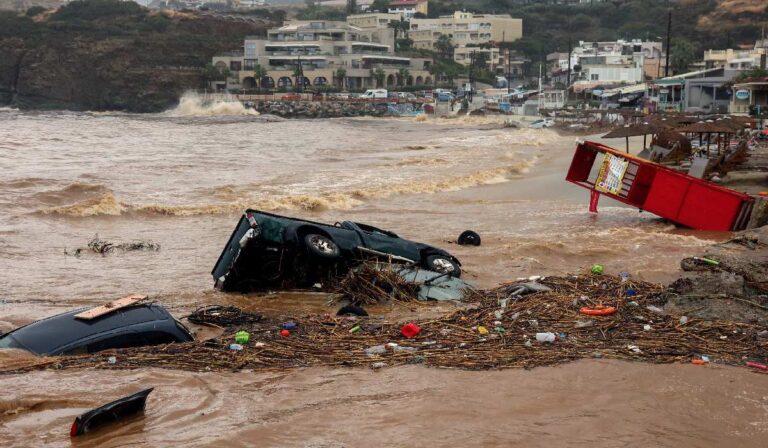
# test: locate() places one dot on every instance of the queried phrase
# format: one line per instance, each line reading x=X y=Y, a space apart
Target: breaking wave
x=107 y=205
x=74 y=192
x=195 y=105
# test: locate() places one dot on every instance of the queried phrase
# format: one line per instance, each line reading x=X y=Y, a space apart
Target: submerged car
x=542 y=123
x=267 y=250
x=65 y=334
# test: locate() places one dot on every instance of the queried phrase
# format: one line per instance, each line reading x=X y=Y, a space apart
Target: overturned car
x=272 y=251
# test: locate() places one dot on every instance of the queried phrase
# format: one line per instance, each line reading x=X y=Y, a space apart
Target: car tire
x=443 y=265
x=321 y=246
x=469 y=238
x=352 y=310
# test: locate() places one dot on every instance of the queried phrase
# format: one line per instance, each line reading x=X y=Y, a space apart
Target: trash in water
x=236 y=347
x=683 y=320
x=647 y=327
x=286 y=333
x=598 y=269
x=378 y=365
x=290 y=325
x=655 y=309
x=545 y=337
x=584 y=323
x=110 y=412
x=242 y=337
x=410 y=330
x=375 y=350
x=598 y=310
x=630 y=292
x=482 y=330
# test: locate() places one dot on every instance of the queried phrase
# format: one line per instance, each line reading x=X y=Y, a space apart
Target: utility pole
x=568 y=76
x=509 y=71
x=471 y=74
x=669 y=48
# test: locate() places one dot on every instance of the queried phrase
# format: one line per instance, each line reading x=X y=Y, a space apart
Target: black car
x=267 y=250
x=64 y=334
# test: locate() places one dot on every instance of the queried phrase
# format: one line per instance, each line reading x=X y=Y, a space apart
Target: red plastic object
x=757 y=366
x=285 y=333
x=599 y=310
x=698 y=362
x=410 y=330
x=678 y=197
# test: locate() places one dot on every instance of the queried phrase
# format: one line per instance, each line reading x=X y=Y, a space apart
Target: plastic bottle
x=375 y=350
x=236 y=347
x=545 y=337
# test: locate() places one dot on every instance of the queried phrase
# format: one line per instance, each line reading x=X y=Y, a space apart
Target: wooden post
x=627 y=144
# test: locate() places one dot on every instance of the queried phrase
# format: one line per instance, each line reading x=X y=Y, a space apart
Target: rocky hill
x=109 y=55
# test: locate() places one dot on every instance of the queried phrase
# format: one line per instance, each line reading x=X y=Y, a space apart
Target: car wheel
x=469 y=238
x=443 y=265
x=321 y=246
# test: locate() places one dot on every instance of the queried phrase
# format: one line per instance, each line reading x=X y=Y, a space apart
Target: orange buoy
x=763 y=193
x=698 y=362
x=599 y=310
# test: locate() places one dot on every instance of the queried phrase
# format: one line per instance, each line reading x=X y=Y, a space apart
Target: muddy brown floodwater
x=181 y=178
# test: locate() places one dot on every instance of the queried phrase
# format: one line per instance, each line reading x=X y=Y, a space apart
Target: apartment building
x=323 y=50
x=408 y=8
x=465 y=28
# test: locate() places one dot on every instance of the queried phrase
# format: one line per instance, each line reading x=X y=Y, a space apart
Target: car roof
x=45 y=335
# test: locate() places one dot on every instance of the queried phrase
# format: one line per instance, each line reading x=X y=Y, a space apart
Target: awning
x=394 y=58
x=290 y=44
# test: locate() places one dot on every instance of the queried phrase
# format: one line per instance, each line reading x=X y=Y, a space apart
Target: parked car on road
x=65 y=334
x=267 y=250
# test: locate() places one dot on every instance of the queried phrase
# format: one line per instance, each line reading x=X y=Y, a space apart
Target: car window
x=121 y=340
x=7 y=341
x=371 y=229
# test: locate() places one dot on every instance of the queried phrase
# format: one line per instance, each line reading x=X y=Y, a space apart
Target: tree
x=400 y=26
x=379 y=5
x=402 y=75
x=341 y=73
x=405 y=44
x=351 y=6
x=444 y=46
x=683 y=54
x=379 y=75
x=259 y=73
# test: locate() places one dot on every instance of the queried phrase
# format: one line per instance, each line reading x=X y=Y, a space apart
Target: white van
x=374 y=93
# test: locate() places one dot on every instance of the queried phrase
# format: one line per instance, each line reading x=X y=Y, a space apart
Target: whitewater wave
x=108 y=205
x=195 y=105
x=74 y=192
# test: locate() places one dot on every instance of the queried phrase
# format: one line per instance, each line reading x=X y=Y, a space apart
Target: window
x=235 y=66
x=594 y=77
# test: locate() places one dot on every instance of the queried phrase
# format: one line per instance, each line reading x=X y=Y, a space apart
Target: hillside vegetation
x=109 y=55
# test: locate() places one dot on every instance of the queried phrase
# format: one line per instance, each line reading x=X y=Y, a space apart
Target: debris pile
x=101 y=246
x=370 y=284
x=500 y=328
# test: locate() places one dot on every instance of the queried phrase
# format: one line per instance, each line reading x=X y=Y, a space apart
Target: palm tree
x=402 y=75
x=259 y=73
x=341 y=73
x=379 y=75
x=401 y=25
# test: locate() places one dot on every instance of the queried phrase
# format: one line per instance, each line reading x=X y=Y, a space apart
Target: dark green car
x=267 y=251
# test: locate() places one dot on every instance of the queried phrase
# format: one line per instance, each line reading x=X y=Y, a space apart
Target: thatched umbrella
x=706 y=127
x=634 y=130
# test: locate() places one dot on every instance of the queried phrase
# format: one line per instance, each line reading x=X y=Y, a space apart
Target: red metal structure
x=678 y=197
